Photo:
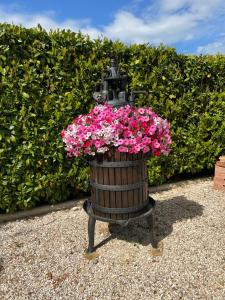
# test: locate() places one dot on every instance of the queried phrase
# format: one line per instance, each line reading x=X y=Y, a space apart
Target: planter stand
x=119 y=192
x=148 y=214
x=119 y=187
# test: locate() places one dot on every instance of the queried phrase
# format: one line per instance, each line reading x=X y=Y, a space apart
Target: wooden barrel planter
x=219 y=178
x=119 y=186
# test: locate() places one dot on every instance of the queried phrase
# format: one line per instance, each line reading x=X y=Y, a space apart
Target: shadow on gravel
x=167 y=213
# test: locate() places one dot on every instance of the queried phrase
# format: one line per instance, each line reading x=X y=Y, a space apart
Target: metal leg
x=91 y=234
x=150 y=222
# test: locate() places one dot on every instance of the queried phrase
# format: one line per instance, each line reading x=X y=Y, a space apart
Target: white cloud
x=163 y=21
x=47 y=21
x=198 y=8
x=164 y=30
x=212 y=48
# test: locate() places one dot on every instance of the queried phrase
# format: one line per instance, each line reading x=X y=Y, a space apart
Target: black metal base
x=147 y=213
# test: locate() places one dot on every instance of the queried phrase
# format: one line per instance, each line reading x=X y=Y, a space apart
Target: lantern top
x=113 y=71
x=114 y=88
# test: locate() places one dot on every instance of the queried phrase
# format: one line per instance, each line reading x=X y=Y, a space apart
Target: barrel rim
x=116 y=164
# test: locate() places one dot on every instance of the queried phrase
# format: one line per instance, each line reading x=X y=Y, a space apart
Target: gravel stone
x=43 y=257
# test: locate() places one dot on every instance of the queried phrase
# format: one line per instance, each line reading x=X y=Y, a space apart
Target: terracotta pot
x=219 y=178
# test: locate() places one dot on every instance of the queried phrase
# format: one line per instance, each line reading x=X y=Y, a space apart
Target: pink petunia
x=155 y=144
x=146 y=149
x=141 y=110
x=122 y=149
x=127 y=129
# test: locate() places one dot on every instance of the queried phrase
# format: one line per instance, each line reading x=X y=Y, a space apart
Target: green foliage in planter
x=46 y=79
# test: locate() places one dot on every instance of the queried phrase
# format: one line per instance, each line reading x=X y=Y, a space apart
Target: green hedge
x=46 y=79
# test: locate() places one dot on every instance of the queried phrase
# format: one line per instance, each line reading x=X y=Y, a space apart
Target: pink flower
x=152 y=129
x=127 y=133
x=97 y=144
x=122 y=149
x=141 y=110
x=63 y=132
x=127 y=129
x=126 y=142
x=136 y=148
x=146 y=149
x=155 y=144
x=146 y=140
x=168 y=138
x=120 y=142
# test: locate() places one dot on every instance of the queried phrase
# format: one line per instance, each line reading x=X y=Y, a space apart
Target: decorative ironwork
x=114 y=88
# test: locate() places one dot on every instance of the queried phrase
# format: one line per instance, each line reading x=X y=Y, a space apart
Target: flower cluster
x=126 y=129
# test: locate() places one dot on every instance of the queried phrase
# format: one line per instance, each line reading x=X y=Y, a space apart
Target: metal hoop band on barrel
x=117 y=188
x=126 y=210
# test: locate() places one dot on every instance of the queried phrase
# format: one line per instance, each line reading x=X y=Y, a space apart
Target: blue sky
x=191 y=26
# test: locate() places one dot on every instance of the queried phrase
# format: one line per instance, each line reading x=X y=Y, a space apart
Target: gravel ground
x=43 y=257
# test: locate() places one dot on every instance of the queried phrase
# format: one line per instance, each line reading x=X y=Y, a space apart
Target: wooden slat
x=124 y=181
x=140 y=178
x=106 y=194
x=100 y=193
x=130 y=194
x=112 y=194
x=92 y=178
x=120 y=176
x=146 y=179
x=118 y=181
x=136 y=178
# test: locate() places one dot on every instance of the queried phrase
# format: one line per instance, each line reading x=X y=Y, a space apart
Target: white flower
x=156 y=122
x=88 y=135
x=102 y=149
